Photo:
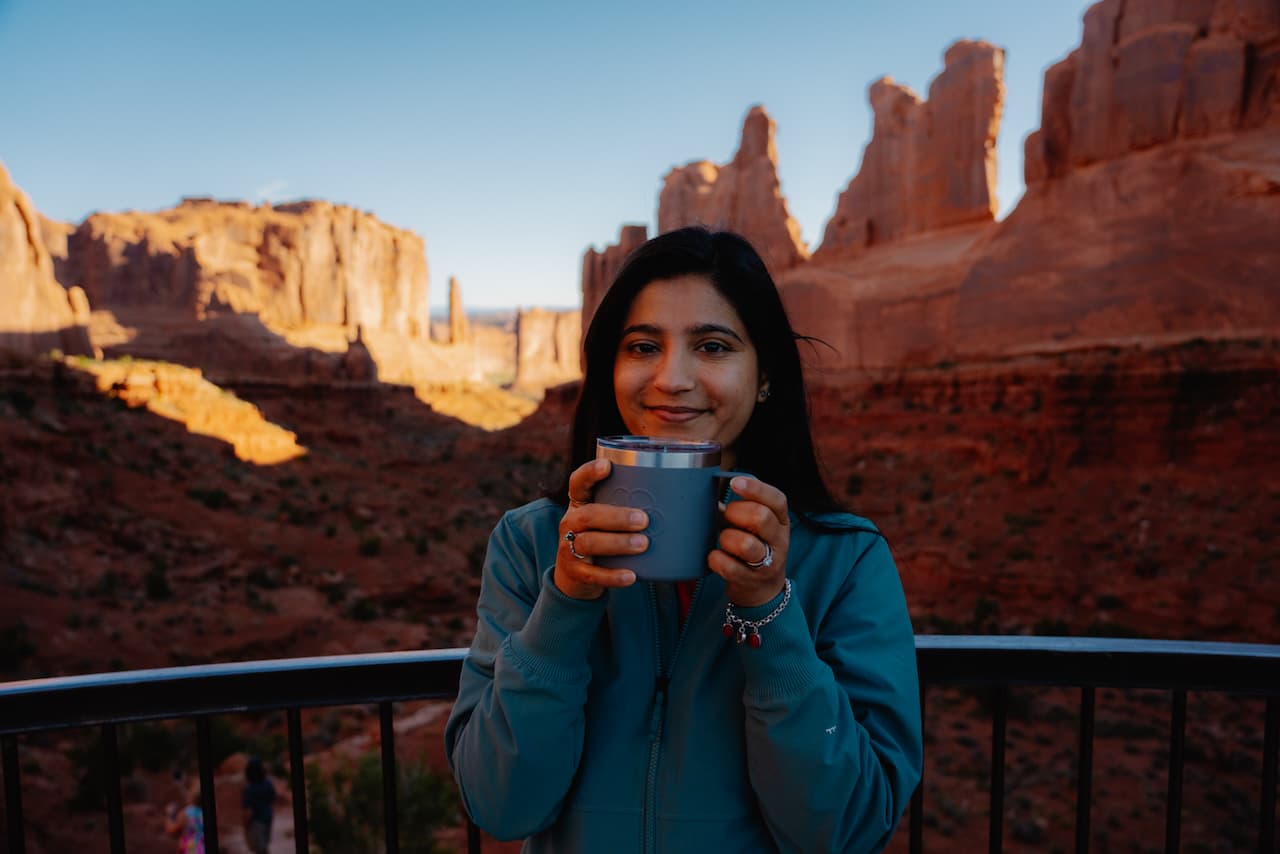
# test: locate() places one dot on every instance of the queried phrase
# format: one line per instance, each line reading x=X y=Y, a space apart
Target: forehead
x=682 y=302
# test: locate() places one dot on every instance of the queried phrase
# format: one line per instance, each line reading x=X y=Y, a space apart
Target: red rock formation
x=39 y=315
x=547 y=347
x=1151 y=71
x=458 y=331
x=600 y=267
x=930 y=164
x=293 y=265
x=1153 y=198
x=743 y=196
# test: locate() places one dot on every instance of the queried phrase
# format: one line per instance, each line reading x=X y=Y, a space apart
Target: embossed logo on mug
x=641 y=499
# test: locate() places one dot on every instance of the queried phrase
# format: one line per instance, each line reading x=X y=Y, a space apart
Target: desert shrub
x=214 y=499
x=1022 y=522
x=156 y=581
x=363 y=610
x=15 y=646
x=345 y=808
x=149 y=746
x=371 y=546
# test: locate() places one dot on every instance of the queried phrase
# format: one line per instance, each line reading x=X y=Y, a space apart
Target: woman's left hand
x=754 y=525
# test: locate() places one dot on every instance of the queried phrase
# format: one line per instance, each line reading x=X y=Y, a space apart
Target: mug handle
x=723 y=490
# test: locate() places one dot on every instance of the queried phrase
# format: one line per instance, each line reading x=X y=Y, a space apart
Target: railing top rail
x=1247 y=668
x=44 y=704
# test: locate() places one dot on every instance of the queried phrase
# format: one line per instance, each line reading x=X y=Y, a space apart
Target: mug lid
x=656 y=452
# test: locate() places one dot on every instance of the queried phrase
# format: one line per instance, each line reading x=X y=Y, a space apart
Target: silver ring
x=569 y=537
x=767 y=560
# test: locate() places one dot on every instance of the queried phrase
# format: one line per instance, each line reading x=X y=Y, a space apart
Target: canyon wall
x=300 y=264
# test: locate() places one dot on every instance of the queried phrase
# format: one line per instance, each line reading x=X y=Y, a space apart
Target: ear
x=763 y=394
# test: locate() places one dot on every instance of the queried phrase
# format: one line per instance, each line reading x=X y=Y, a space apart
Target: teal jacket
x=601 y=725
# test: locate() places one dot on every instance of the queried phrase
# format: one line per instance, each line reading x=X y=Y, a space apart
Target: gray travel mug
x=681 y=488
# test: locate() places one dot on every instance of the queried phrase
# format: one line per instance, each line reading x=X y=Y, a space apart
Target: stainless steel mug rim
x=654 y=452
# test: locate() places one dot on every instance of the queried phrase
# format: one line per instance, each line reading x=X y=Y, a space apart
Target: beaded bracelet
x=748 y=631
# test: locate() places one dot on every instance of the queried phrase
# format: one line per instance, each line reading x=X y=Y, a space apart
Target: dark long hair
x=776 y=445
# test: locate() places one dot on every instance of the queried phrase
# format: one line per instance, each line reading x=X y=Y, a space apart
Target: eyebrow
x=697 y=329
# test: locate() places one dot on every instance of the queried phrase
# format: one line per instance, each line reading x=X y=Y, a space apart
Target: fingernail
x=635 y=517
x=637 y=541
x=738 y=482
x=628 y=576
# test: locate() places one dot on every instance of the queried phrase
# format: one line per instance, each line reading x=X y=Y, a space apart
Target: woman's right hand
x=598 y=529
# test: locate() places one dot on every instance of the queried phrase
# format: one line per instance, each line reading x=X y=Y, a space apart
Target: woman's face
x=685 y=367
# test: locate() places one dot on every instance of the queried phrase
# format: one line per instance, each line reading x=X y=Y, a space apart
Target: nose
x=674 y=373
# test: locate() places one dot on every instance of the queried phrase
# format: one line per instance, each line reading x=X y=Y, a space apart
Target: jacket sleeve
x=834 y=746
x=515 y=735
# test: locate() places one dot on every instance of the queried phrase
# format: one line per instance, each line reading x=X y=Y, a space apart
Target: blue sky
x=510 y=135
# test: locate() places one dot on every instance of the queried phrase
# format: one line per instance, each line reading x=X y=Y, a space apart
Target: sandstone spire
x=930 y=164
x=459 y=333
x=743 y=196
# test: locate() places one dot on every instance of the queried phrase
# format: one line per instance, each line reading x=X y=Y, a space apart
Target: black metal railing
x=999 y=662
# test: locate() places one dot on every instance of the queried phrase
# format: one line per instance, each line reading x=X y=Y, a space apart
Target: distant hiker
x=258 y=800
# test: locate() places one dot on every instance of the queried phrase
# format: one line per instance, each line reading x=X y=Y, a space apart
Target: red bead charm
x=754 y=641
x=727 y=630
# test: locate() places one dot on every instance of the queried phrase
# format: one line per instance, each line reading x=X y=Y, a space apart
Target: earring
x=763 y=395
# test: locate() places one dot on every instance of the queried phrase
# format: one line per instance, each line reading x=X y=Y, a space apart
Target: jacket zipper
x=658 y=714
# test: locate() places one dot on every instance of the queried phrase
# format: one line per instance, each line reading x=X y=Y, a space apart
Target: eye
x=640 y=348
x=714 y=347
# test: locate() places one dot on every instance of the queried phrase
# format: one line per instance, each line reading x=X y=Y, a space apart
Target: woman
x=598 y=714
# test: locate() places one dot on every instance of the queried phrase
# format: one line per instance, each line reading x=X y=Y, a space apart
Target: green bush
x=345 y=809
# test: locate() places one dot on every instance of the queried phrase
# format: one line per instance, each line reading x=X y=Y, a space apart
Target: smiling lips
x=675 y=414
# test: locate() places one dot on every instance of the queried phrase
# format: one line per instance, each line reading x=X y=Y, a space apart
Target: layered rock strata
x=743 y=195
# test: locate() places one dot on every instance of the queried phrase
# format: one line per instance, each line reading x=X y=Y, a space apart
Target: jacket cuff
x=552 y=644
x=786 y=664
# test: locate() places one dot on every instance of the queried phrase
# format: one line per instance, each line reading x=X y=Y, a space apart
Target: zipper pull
x=659 y=703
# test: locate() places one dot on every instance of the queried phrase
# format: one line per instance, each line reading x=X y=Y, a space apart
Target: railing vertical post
x=1084 y=768
x=389 y=777
x=298 y=780
x=1177 y=743
x=13 y=795
x=208 y=797
x=1270 y=749
x=115 y=804
x=917 y=799
x=473 y=836
x=999 y=723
